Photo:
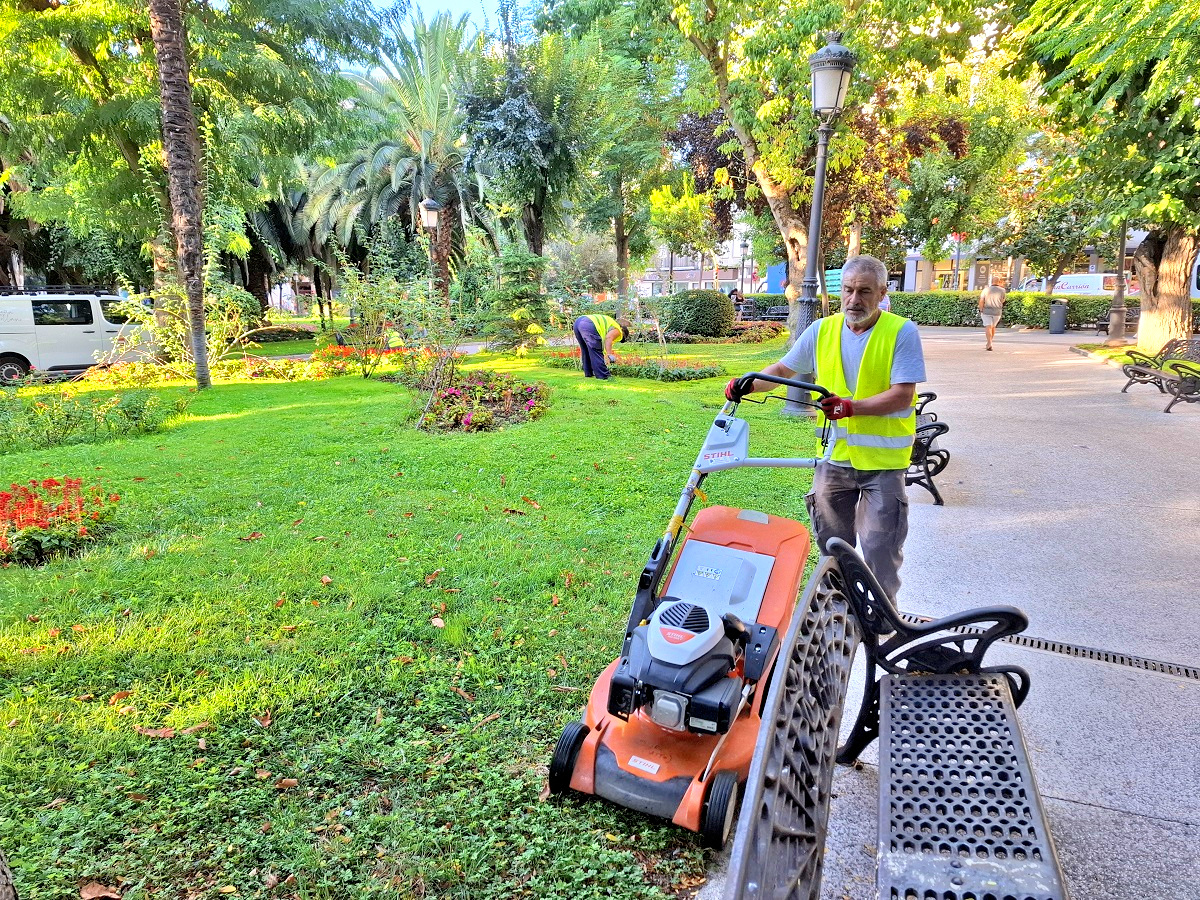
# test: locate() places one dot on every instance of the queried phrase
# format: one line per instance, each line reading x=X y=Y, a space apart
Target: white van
x=1100 y=284
x=58 y=332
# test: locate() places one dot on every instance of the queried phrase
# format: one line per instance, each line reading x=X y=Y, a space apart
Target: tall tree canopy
x=1122 y=75
x=79 y=95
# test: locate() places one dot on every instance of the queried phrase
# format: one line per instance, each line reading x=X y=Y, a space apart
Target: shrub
x=50 y=518
x=53 y=419
x=518 y=313
x=704 y=312
x=743 y=333
x=641 y=367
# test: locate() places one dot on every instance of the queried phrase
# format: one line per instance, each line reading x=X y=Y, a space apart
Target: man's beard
x=855 y=318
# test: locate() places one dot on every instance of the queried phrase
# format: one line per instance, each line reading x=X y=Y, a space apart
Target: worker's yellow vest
x=603 y=323
x=870 y=443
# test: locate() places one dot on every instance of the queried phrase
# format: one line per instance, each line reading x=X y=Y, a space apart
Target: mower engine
x=688 y=664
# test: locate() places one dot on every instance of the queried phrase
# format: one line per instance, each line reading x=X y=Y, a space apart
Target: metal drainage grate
x=960 y=817
x=1108 y=656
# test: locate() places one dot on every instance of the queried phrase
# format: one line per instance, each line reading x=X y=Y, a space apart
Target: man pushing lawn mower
x=596 y=335
x=872 y=362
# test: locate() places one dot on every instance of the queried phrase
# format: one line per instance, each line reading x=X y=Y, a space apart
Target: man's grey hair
x=867 y=265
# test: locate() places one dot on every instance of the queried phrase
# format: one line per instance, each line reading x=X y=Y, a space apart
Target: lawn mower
x=671 y=724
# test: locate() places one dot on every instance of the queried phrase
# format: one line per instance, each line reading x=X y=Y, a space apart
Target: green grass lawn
x=1119 y=354
x=365 y=639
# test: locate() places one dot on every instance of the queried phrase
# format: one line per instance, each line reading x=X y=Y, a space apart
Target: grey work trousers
x=870 y=508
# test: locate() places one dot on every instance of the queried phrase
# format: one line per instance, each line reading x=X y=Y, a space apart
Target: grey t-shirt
x=908 y=363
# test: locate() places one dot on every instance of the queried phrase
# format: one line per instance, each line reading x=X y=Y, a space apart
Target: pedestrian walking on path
x=596 y=335
x=991 y=308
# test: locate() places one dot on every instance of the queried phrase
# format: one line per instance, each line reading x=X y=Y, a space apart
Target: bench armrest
x=1141 y=359
x=1183 y=367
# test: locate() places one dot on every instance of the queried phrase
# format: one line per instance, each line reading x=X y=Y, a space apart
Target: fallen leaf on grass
x=126 y=710
x=270 y=881
x=140 y=798
x=252 y=536
x=544 y=795
x=192 y=729
x=55 y=803
x=470 y=698
x=282 y=600
x=379 y=715
x=94 y=890
x=13 y=723
x=492 y=718
x=33 y=619
x=451 y=591
x=514 y=512
x=297 y=522
x=261 y=774
x=445 y=759
x=403 y=660
x=227 y=889
x=54 y=632
x=432 y=576
x=554 y=599
x=118 y=697
x=532 y=502
x=79 y=628
x=437 y=622
x=265 y=827
x=284 y=784
x=155 y=732
x=288 y=628
x=84 y=698
x=325 y=579
x=563 y=689
x=262 y=720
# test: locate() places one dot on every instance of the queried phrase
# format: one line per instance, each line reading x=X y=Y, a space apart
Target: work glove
x=739 y=388
x=612 y=359
x=836 y=407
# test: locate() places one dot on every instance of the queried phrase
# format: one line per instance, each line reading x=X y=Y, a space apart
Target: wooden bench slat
x=958 y=804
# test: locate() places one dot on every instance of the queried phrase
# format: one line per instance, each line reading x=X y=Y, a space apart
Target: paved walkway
x=1081 y=505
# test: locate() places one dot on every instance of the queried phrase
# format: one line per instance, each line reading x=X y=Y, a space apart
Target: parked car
x=60 y=330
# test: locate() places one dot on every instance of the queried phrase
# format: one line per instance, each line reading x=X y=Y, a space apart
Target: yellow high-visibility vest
x=871 y=443
x=603 y=323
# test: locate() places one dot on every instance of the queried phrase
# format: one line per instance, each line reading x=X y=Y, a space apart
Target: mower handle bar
x=749 y=378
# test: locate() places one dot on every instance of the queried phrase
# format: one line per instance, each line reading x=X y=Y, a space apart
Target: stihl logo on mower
x=719 y=454
x=708 y=572
x=675 y=636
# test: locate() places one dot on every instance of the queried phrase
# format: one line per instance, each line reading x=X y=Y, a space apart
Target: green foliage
x=743 y=333
x=684 y=222
x=703 y=312
x=79 y=91
x=539 y=117
x=35 y=419
x=518 y=313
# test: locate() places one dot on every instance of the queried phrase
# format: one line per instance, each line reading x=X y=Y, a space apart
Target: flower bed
x=641 y=367
x=483 y=400
x=51 y=518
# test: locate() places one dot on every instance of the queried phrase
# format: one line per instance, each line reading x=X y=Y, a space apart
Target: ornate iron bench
x=1174 y=370
x=928 y=459
x=775 y=314
x=959 y=812
x=1132 y=314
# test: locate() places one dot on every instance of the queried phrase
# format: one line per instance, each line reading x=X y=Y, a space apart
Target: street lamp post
x=429 y=221
x=742 y=268
x=831 y=67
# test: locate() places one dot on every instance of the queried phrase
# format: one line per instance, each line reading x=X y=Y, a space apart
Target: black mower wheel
x=562 y=764
x=719 y=807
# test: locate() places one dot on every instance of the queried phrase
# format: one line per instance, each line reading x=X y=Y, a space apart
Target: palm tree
x=181 y=143
x=412 y=99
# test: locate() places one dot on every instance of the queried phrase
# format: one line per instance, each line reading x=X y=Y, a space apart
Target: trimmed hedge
x=961 y=308
x=703 y=312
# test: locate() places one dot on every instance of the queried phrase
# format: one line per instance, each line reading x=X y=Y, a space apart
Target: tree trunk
x=854 y=245
x=181 y=143
x=670 y=272
x=441 y=251
x=622 y=241
x=533 y=222
x=258 y=274
x=1164 y=262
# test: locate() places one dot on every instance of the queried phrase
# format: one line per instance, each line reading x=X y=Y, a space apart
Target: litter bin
x=1058 y=317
